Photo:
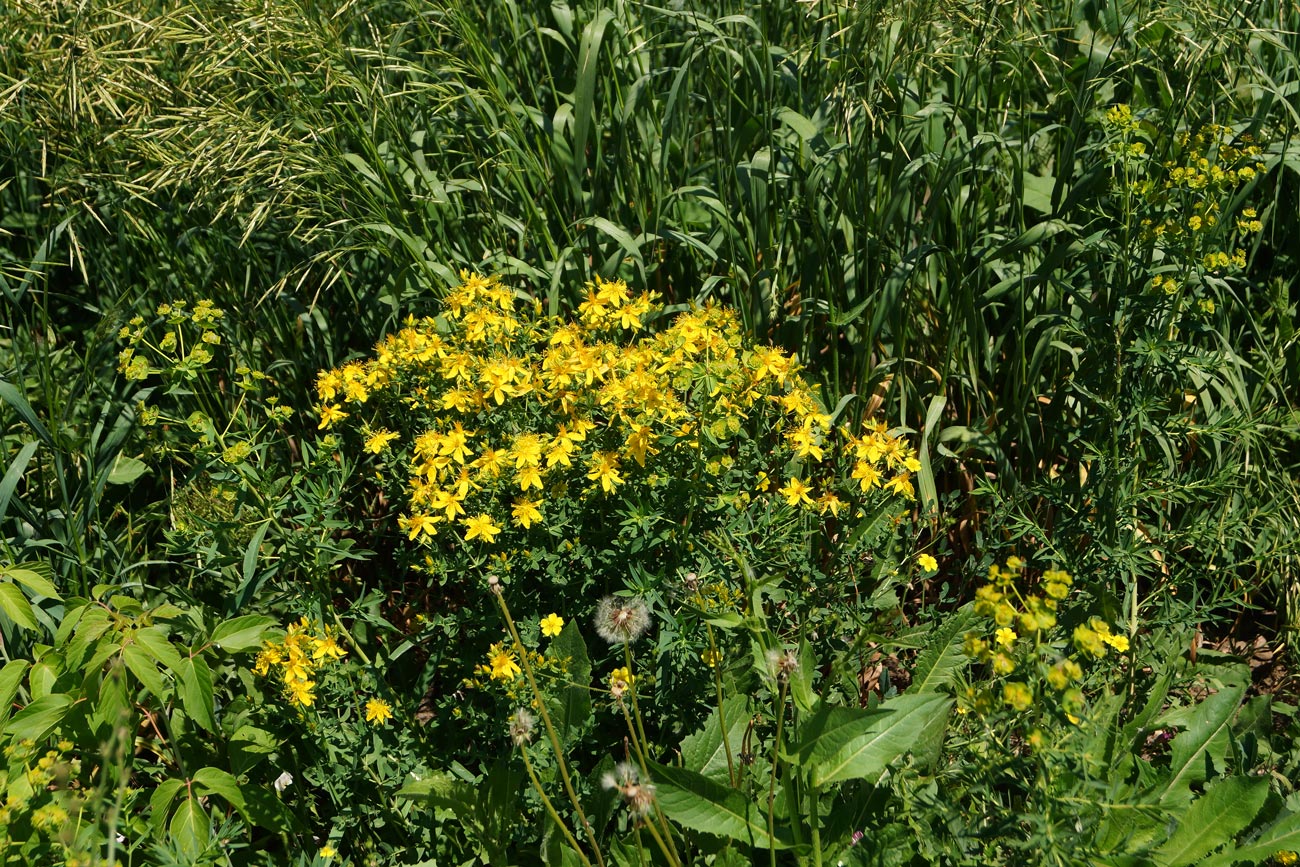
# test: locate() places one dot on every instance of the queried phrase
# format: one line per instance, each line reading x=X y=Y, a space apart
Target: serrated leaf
x=861 y=744
x=1188 y=752
x=39 y=718
x=34 y=581
x=241 y=633
x=155 y=641
x=943 y=657
x=1227 y=807
x=1282 y=835
x=704 y=751
x=142 y=665
x=694 y=801
x=15 y=605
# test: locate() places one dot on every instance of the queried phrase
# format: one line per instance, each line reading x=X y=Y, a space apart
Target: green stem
x=550 y=808
x=771 y=788
x=550 y=727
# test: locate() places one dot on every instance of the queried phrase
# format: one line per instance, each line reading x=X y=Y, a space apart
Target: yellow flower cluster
x=1018 y=639
x=500 y=409
x=296 y=659
x=1183 y=204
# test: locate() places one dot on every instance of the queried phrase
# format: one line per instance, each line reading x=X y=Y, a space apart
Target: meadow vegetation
x=604 y=433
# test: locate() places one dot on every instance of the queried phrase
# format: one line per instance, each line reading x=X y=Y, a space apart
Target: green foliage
x=1049 y=242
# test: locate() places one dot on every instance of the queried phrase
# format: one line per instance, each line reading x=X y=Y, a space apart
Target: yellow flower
x=329 y=414
x=378 y=711
x=796 y=492
x=327 y=851
x=551 y=625
x=480 y=527
x=928 y=563
x=379 y=440
x=604 y=466
x=526 y=513
x=1006 y=637
x=502 y=662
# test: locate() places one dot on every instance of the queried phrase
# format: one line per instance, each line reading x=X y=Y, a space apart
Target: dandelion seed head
x=621 y=621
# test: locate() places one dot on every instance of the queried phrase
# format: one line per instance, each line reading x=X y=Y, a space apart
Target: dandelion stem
x=771 y=787
x=639 y=742
x=550 y=727
x=550 y=808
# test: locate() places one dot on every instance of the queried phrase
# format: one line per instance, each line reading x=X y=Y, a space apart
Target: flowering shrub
x=578 y=453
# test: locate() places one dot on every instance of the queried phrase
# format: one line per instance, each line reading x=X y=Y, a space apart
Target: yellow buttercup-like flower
x=378 y=711
x=551 y=625
x=480 y=527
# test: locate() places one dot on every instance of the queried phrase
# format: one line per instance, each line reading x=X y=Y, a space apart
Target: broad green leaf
x=241 y=633
x=160 y=802
x=39 y=718
x=142 y=665
x=249 y=745
x=1215 y=818
x=863 y=743
x=704 y=752
x=158 y=645
x=694 y=801
x=943 y=656
x=196 y=692
x=1282 y=835
x=34 y=581
x=190 y=828
x=214 y=781
x=1188 y=753
x=14 y=604
x=11 y=677
x=801 y=679
x=126 y=470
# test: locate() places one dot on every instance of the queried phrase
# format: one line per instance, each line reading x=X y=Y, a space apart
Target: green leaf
x=14 y=474
x=12 y=396
x=11 y=677
x=241 y=633
x=584 y=92
x=14 y=604
x=214 y=781
x=160 y=802
x=861 y=744
x=39 y=718
x=943 y=656
x=1188 y=753
x=1215 y=818
x=1283 y=834
x=142 y=665
x=704 y=752
x=249 y=745
x=155 y=641
x=34 y=581
x=694 y=801
x=196 y=692
x=190 y=828
x=126 y=470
